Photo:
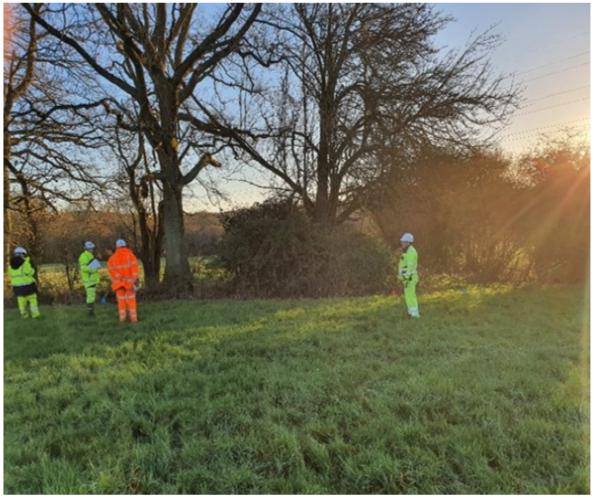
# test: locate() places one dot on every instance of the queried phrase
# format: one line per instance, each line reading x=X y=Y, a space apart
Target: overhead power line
x=547 y=46
x=553 y=106
x=557 y=72
x=530 y=102
x=558 y=125
x=538 y=135
x=553 y=63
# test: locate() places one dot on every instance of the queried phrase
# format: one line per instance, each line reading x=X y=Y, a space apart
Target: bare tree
x=351 y=88
x=141 y=188
x=18 y=75
x=44 y=130
x=156 y=54
x=143 y=193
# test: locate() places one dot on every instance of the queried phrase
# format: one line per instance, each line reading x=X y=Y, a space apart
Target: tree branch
x=82 y=52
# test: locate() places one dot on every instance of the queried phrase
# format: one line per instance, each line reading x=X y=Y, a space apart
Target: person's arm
x=84 y=268
x=113 y=273
x=87 y=269
x=135 y=271
x=411 y=265
x=28 y=269
x=401 y=270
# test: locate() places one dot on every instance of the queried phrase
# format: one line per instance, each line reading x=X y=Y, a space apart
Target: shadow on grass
x=67 y=330
x=339 y=395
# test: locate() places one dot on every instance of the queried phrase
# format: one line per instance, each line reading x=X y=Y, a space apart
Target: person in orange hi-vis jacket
x=123 y=268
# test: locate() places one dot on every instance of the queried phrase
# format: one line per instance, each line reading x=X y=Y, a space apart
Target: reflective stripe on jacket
x=22 y=276
x=123 y=268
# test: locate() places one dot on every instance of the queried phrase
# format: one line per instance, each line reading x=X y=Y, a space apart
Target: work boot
x=91 y=310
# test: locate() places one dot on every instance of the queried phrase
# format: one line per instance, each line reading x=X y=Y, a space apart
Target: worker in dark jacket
x=23 y=282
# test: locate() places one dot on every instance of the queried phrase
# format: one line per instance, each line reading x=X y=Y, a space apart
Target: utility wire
x=557 y=72
x=538 y=135
x=553 y=43
x=553 y=106
x=553 y=63
x=529 y=102
x=558 y=125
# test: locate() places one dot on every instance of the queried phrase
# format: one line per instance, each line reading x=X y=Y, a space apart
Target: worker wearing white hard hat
x=123 y=269
x=407 y=274
x=24 y=286
x=89 y=270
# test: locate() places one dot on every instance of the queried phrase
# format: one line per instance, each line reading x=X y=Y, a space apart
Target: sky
x=547 y=47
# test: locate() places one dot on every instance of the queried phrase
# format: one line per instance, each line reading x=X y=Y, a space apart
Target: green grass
x=487 y=393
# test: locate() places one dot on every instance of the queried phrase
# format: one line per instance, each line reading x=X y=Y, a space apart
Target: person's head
x=16 y=261
x=406 y=240
x=89 y=246
x=20 y=251
x=120 y=243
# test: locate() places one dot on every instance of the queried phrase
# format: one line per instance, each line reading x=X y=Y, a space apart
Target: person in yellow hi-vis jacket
x=407 y=274
x=23 y=282
x=90 y=276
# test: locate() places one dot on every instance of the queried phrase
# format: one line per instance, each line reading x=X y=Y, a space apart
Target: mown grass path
x=487 y=393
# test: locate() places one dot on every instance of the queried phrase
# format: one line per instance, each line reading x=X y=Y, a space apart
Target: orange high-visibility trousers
x=127 y=304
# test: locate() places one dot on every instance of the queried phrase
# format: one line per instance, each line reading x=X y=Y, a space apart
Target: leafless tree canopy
x=347 y=84
x=156 y=55
x=46 y=130
x=327 y=100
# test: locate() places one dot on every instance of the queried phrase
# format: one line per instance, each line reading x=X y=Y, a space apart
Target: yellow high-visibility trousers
x=410 y=298
x=31 y=299
x=91 y=294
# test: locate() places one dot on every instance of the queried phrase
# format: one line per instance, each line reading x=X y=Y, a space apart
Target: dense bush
x=490 y=219
x=273 y=249
x=556 y=212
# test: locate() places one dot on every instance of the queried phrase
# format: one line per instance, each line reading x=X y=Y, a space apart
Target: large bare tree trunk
x=155 y=247
x=151 y=248
x=321 y=212
x=177 y=269
x=146 y=253
x=324 y=166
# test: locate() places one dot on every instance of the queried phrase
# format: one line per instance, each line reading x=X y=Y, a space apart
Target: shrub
x=273 y=250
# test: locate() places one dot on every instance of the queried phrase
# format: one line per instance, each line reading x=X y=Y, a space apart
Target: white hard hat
x=407 y=237
x=120 y=243
x=89 y=245
x=20 y=250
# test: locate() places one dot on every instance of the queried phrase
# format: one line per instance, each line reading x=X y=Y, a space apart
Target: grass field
x=487 y=393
